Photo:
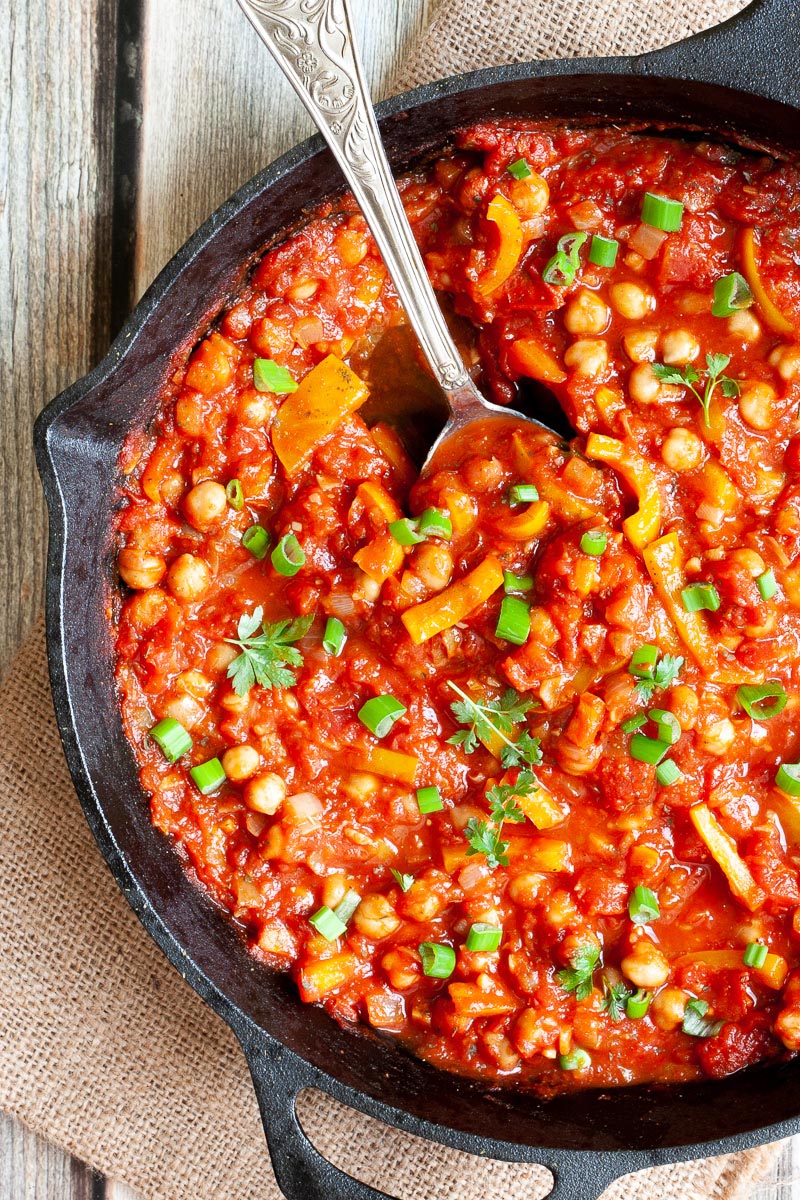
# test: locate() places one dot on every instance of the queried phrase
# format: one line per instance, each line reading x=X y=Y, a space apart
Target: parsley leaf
x=266 y=658
x=498 y=718
x=665 y=672
x=404 y=881
x=688 y=376
x=484 y=838
x=615 y=996
x=577 y=977
x=696 y=1023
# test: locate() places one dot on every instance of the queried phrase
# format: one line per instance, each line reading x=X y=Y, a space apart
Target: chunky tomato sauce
x=514 y=780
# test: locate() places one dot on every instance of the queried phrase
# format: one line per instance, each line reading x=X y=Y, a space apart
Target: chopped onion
x=304 y=809
x=307 y=331
x=341 y=604
x=710 y=513
x=647 y=241
x=472 y=875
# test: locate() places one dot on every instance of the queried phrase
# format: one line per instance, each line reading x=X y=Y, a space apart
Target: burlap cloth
x=103 y=1047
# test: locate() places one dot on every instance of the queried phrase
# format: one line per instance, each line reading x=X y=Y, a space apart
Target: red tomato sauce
x=561 y=850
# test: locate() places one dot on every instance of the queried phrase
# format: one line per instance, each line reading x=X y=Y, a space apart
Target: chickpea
x=756 y=402
x=195 y=683
x=525 y=887
x=530 y=196
x=255 y=408
x=334 y=889
x=233 y=703
x=640 y=344
x=588 y=357
x=304 y=289
x=425 y=899
x=190 y=415
x=682 y=450
x=679 y=346
x=587 y=313
x=402 y=967
x=433 y=564
x=786 y=361
x=352 y=246
x=717 y=737
x=205 y=504
x=241 y=762
x=643 y=386
x=146 y=609
x=645 y=966
x=139 y=569
x=483 y=474
x=185 y=709
x=365 y=588
x=632 y=301
x=744 y=325
x=188 y=578
x=669 y=1007
x=749 y=561
x=787 y=1027
x=684 y=703
x=220 y=657
x=361 y=786
x=375 y=917
x=265 y=793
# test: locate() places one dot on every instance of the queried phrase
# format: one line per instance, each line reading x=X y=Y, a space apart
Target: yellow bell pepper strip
x=324 y=398
x=529 y=358
x=523 y=526
x=541 y=808
x=664 y=561
x=549 y=489
x=462 y=509
x=324 y=975
x=773 y=971
x=501 y=212
x=380 y=558
x=748 y=250
x=455 y=603
x=375 y=496
x=390 y=764
x=645 y=523
x=537 y=853
x=718 y=960
x=722 y=849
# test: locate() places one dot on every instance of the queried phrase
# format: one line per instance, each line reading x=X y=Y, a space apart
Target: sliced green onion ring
x=208 y=776
x=435 y=522
x=731 y=294
x=755 y=700
x=662 y=213
x=523 y=493
x=234 y=494
x=429 y=800
x=669 y=729
x=516 y=583
x=405 y=532
x=519 y=169
x=766 y=584
x=643 y=906
x=288 y=556
x=171 y=738
x=514 y=621
x=380 y=713
x=788 y=778
x=347 y=905
x=484 y=937
x=327 y=923
x=633 y=723
x=668 y=772
x=646 y=749
x=636 y=1006
x=256 y=541
x=269 y=377
x=700 y=596
x=334 y=637
x=603 y=251
x=438 y=961
x=594 y=542
x=755 y=954
x=643 y=661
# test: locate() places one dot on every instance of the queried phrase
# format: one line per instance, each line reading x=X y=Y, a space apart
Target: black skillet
x=739 y=81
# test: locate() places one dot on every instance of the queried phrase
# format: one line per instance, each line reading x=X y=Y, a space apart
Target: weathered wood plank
x=56 y=72
x=30 y=1169
x=217 y=109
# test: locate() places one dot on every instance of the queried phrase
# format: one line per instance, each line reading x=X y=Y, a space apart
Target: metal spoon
x=313 y=43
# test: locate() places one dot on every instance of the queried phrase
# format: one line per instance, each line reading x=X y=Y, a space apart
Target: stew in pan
x=504 y=761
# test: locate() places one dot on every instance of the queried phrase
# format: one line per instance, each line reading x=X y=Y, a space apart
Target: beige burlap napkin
x=103 y=1047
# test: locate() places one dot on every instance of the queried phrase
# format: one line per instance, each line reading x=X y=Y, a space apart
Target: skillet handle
x=755 y=51
x=303 y=1174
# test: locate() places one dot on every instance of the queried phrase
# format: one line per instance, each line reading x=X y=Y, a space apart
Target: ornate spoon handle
x=312 y=42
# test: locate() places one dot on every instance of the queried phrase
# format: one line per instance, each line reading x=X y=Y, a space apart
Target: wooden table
x=211 y=111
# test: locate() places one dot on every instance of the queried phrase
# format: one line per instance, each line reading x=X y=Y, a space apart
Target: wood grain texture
x=55 y=140
x=30 y=1169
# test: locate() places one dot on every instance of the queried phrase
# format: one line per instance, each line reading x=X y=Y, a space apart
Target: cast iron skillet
x=739 y=81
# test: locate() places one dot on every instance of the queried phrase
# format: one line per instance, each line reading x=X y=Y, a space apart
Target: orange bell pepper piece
x=380 y=558
x=328 y=394
x=664 y=561
x=527 y=524
x=375 y=496
x=391 y=447
x=722 y=849
x=644 y=525
x=324 y=975
x=530 y=358
x=501 y=212
x=390 y=764
x=748 y=249
x=455 y=603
